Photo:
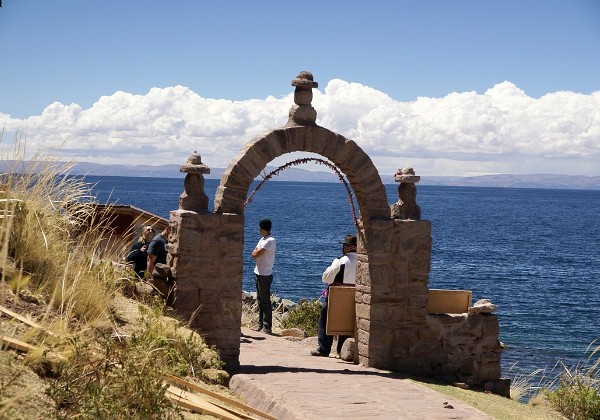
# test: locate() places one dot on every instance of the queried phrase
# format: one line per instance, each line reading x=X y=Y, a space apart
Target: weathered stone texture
x=398 y=258
x=206 y=258
x=344 y=153
x=471 y=343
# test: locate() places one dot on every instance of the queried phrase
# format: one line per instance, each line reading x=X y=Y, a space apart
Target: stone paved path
x=280 y=378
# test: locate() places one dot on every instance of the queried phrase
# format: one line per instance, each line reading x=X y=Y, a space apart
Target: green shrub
x=578 y=393
x=123 y=378
x=305 y=316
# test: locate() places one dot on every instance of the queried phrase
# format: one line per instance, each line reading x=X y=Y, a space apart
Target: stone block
x=363 y=311
x=426 y=334
x=364 y=324
x=232 y=267
x=355 y=164
x=186 y=302
x=296 y=139
x=491 y=326
x=236 y=176
x=500 y=387
x=404 y=336
x=399 y=351
x=254 y=160
x=362 y=297
x=423 y=349
x=344 y=154
x=420 y=263
x=271 y=145
x=489 y=344
x=468 y=366
x=282 y=137
x=329 y=143
x=363 y=336
x=489 y=372
x=363 y=352
x=314 y=139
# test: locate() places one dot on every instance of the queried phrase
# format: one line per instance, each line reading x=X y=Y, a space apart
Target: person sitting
x=158 y=250
x=341 y=271
x=138 y=256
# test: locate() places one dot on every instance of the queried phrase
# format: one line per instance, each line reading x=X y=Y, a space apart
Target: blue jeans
x=263 y=295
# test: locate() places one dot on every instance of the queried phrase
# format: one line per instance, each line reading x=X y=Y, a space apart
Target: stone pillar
x=206 y=261
x=391 y=295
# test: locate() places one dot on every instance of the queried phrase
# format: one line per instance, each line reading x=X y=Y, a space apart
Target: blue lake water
x=533 y=252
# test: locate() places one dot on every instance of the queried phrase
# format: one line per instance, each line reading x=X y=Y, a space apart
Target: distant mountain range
x=546 y=181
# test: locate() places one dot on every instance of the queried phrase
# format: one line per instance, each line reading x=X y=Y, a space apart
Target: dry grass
x=94 y=358
x=496 y=406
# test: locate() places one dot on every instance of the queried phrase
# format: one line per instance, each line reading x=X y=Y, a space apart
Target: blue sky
x=246 y=53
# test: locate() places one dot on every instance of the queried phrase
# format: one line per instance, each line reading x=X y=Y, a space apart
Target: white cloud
x=500 y=131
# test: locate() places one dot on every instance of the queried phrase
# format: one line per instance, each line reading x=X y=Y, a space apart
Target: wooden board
x=195 y=387
x=195 y=403
x=16 y=344
x=25 y=320
x=448 y=301
x=341 y=310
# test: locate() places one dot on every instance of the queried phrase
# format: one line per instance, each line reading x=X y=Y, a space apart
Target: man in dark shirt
x=157 y=250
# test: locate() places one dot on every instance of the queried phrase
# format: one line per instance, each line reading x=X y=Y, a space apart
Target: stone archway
x=344 y=153
x=393 y=328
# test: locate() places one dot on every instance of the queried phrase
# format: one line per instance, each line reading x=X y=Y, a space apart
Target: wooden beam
x=24 y=320
x=197 y=404
x=13 y=343
x=194 y=387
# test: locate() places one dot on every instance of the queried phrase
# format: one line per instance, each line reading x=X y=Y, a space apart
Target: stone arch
x=393 y=328
x=344 y=153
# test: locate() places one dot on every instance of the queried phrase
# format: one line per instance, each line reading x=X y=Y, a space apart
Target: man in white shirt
x=264 y=254
x=341 y=271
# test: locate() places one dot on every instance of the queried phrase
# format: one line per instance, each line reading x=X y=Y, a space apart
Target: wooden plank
x=197 y=404
x=24 y=320
x=341 y=310
x=16 y=344
x=194 y=387
x=442 y=301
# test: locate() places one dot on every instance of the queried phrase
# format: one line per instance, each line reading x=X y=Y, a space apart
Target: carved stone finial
x=193 y=197
x=302 y=113
x=406 y=175
x=406 y=208
x=194 y=165
x=305 y=80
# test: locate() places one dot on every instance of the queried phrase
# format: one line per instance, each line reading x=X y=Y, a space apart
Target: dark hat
x=349 y=240
x=265 y=224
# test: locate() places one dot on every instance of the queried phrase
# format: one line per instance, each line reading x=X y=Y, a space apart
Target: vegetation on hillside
x=577 y=390
x=96 y=354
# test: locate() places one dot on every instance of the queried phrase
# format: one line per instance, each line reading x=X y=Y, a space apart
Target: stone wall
x=470 y=345
x=206 y=259
x=394 y=330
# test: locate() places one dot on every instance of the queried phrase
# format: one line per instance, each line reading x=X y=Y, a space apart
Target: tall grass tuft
x=577 y=392
x=48 y=242
x=525 y=386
